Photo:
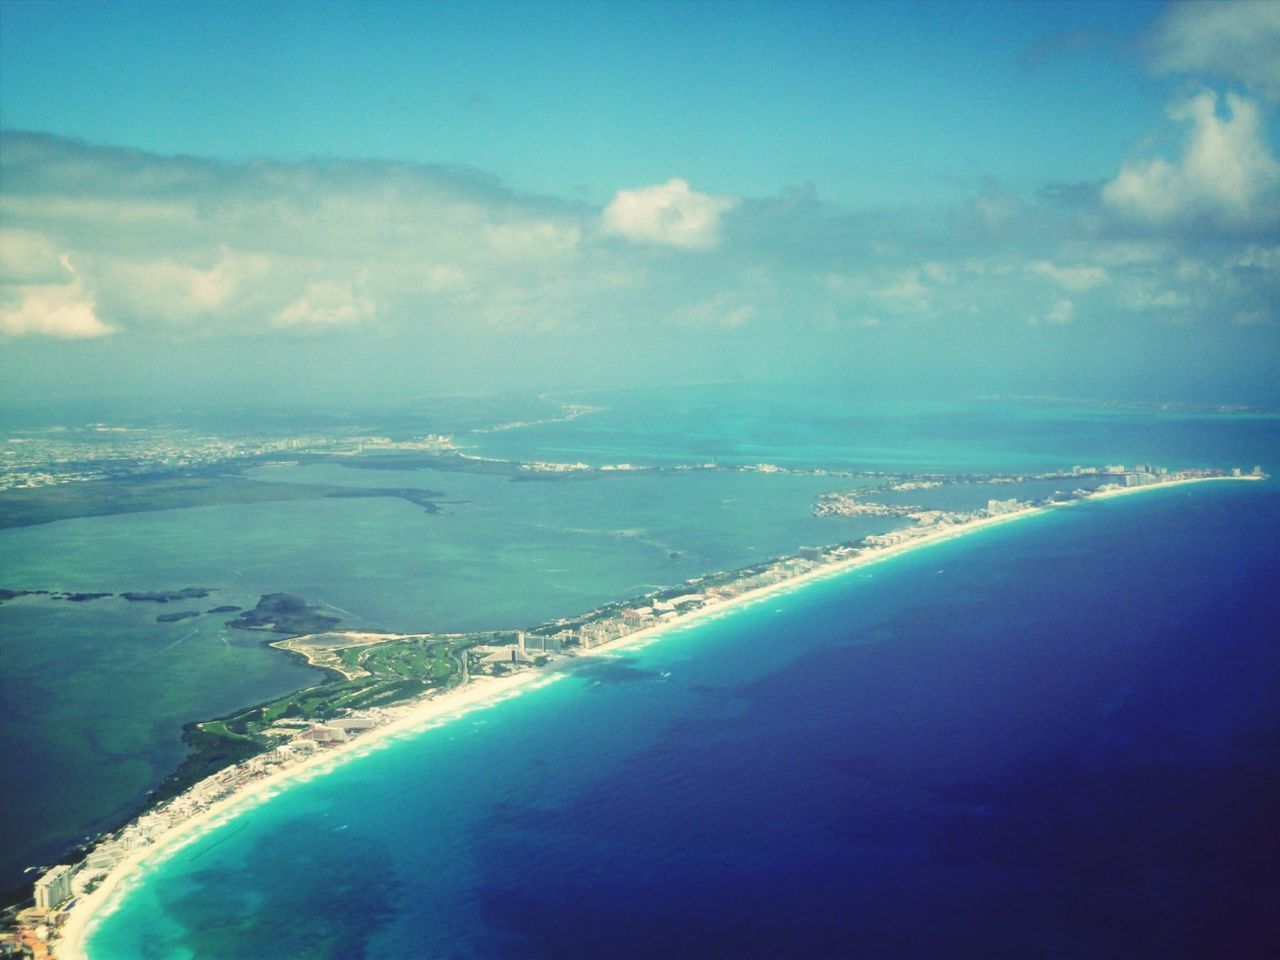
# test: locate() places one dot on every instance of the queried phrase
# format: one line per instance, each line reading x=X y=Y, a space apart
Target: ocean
x=1056 y=738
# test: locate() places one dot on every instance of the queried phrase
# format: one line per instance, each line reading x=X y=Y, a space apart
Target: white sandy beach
x=480 y=693
x=91 y=908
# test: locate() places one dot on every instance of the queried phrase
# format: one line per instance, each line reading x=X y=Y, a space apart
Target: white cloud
x=1075 y=279
x=894 y=291
x=1225 y=174
x=906 y=294
x=737 y=316
x=150 y=288
x=206 y=248
x=1238 y=41
x=61 y=310
x=727 y=310
x=327 y=303
x=431 y=255
x=538 y=240
x=667 y=214
x=1063 y=311
x=442 y=277
x=27 y=257
x=1155 y=298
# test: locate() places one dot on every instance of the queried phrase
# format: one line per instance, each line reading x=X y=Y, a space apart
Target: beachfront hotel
x=54 y=887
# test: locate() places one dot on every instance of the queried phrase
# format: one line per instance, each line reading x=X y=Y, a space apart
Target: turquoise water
x=100 y=697
x=792 y=425
x=1054 y=738
x=99 y=691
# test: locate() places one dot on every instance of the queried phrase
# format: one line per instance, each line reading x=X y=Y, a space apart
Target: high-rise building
x=54 y=887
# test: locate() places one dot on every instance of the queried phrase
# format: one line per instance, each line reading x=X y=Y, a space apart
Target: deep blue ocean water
x=1059 y=738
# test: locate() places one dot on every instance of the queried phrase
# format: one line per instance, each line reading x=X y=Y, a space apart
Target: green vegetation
x=396 y=670
x=211 y=751
x=24 y=507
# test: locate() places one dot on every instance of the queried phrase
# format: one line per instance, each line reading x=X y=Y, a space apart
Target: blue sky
x=901 y=101
x=1080 y=197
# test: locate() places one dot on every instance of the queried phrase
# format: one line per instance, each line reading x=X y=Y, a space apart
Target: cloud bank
x=1237 y=41
x=439 y=269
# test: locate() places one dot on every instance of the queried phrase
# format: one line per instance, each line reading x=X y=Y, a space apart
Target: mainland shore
x=88 y=911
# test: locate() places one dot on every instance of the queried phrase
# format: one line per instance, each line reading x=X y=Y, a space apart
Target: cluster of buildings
x=636 y=617
x=837 y=504
x=548 y=466
x=58 y=889
x=1145 y=474
x=526 y=650
x=102 y=452
x=431 y=443
x=915 y=485
x=99 y=452
x=996 y=508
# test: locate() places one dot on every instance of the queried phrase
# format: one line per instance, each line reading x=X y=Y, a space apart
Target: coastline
x=91 y=909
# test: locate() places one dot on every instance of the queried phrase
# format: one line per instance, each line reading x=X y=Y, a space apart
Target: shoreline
x=89 y=910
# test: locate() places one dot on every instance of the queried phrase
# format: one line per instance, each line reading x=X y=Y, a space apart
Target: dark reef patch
x=284 y=613
x=175 y=617
x=164 y=596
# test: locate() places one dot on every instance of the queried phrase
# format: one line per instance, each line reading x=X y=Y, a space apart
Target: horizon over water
x=1060 y=737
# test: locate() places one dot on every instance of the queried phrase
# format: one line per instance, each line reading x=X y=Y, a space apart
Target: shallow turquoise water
x=746 y=423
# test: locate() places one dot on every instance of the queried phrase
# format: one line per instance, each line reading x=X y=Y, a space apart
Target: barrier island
x=380 y=686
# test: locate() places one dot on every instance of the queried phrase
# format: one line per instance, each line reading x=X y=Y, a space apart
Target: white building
x=106 y=857
x=54 y=887
x=686 y=598
x=354 y=723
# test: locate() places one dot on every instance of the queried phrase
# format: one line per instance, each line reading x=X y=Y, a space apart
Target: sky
x=353 y=202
